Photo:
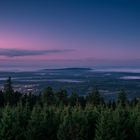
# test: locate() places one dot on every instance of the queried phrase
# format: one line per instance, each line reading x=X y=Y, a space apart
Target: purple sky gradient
x=96 y=33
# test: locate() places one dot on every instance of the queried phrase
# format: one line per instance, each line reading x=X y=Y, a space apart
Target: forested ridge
x=55 y=115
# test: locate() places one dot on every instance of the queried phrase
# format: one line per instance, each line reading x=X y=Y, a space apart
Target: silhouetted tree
x=8 y=86
x=74 y=99
x=8 y=92
x=48 y=96
x=1 y=99
x=62 y=97
x=122 y=99
x=94 y=97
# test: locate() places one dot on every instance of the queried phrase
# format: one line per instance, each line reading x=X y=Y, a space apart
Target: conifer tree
x=105 y=126
x=122 y=99
x=74 y=126
x=9 y=129
x=8 y=86
x=48 y=96
x=8 y=90
x=121 y=123
x=134 y=123
x=92 y=116
x=137 y=127
x=1 y=99
x=61 y=97
x=94 y=97
x=74 y=99
x=34 y=128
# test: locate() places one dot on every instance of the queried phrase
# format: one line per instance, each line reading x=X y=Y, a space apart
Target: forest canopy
x=55 y=115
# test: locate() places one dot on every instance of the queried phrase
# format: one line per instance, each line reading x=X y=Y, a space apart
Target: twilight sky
x=68 y=32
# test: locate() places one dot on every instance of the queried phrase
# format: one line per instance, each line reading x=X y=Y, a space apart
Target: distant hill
x=69 y=69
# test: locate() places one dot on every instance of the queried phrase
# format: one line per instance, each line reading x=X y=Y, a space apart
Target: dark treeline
x=59 y=116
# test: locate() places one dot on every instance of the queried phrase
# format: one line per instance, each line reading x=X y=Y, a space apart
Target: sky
x=66 y=33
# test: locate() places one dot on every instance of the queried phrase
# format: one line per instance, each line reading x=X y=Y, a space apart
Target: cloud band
x=19 y=53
